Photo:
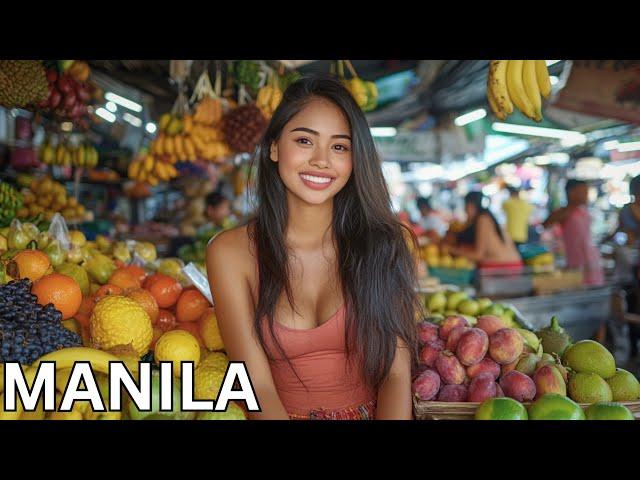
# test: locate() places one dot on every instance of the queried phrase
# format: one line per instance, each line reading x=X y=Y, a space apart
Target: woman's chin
x=313 y=198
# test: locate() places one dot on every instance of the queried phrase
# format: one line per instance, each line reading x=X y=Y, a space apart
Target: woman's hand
x=394 y=396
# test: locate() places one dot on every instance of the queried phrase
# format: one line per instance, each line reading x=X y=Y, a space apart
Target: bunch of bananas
x=68 y=155
x=151 y=169
x=269 y=97
x=10 y=203
x=365 y=93
x=208 y=111
x=522 y=83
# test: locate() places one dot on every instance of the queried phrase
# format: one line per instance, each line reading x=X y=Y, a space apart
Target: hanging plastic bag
x=198 y=279
x=58 y=230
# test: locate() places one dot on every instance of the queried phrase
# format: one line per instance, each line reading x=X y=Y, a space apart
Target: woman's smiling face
x=314 y=152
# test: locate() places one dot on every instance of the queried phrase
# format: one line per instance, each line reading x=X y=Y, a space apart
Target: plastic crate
x=453 y=276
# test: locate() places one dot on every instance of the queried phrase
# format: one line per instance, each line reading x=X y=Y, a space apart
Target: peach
x=549 y=380
x=453 y=393
x=490 y=324
x=430 y=352
x=454 y=337
x=426 y=386
x=486 y=365
x=482 y=388
x=472 y=346
x=505 y=345
x=509 y=367
x=450 y=369
x=518 y=386
x=449 y=323
x=427 y=332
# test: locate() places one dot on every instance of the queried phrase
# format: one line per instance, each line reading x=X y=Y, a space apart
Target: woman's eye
x=304 y=141
x=342 y=148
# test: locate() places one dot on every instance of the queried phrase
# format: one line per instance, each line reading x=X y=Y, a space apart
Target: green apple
x=471 y=320
x=484 y=303
x=436 y=302
x=455 y=299
x=468 y=307
x=493 y=309
x=450 y=313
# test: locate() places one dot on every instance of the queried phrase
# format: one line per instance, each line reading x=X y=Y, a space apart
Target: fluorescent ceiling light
x=611 y=145
x=470 y=117
x=629 y=147
x=132 y=119
x=553 y=79
x=106 y=114
x=383 y=131
x=552 y=62
x=112 y=107
x=125 y=102
x=151 y=127
x=567 y=135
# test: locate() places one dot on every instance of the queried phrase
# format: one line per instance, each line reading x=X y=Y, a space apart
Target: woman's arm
x=481 y=245
x=556 y=216
x=394 y=396
x=235 y=313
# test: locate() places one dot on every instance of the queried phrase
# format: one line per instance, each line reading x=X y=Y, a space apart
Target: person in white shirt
x=431 y=222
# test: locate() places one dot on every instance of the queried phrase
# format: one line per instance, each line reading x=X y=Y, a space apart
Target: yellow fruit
x=118 y=320
x=148 y=163
x=72 y=415
x=177 y=346
x=76 y=237
x=72 y=325
x=207 y=382
x=215 y=360
x=209 y=331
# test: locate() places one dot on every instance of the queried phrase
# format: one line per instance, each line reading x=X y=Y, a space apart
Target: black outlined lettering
x=15 y=384
x=246 y=393
x=82 y=371
x=188 y=391
x=119 y=375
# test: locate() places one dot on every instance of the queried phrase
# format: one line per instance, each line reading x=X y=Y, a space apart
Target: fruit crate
x=453 y=276
x=466 y=410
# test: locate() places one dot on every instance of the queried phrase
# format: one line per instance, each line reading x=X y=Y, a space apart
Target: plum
x=486 y=365
x=450 y=369
x=430 y=351
x=482 y=388
x=426 y=386
x=427 y=332
x=454 y=337
x=505 y=345
x=472 y=346
x=518 y=386
x=449 y=323
x=453 y=393
x=490 y=324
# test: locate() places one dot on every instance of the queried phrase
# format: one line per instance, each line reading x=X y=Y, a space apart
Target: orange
x=119 y=263
x=193 y=329
x=164 y=289
x=166 y=320
x=82 y=319
x=124 y=279
x=32 y=264
x=61 y=290
x=86 y=307
x=147 y=302
x=191 y=305
x=137 y=271
x=157 y=333
x=106 y=290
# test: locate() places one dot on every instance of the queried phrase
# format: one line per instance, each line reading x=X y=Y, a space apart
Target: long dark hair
x=376 y=268
x=478 y=200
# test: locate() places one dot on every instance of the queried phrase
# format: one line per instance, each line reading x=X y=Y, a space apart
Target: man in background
x=517 y=212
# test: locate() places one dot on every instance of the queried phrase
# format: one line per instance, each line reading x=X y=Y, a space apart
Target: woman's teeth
x=311 y=178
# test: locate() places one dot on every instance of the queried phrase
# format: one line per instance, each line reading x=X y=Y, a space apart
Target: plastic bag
x=59 y=231
x=200 y=280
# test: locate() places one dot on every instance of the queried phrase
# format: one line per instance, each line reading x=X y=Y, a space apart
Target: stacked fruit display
x=205 y=131
x=440 y=258
x=23 y=83
x=67 y=155
x=47 y=197
x=10 y=204
x=522 y=83
x=151 y=169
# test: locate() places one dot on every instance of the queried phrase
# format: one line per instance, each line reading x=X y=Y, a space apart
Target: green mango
x=56 y=254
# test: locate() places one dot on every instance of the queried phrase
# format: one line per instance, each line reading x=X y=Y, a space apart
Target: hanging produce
x=151 y=169
x=269 y=96
x=243 y=127
x=365 y=93
x=247 y=72
x=23 y=83
x=10 y=203
x=68 y=155
x=69 y=95
x=522 y=83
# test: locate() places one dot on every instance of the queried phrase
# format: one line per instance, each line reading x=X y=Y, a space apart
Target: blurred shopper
x=517 y=212
x=219 y=211
x=483 y=241
x=431 y=222
x=575 y=220
x=629 y=219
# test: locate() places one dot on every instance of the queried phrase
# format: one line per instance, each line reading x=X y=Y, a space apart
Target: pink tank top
x=320 y=360
x=580 y=251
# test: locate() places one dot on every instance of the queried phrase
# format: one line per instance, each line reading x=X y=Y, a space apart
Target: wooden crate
x=466 y=410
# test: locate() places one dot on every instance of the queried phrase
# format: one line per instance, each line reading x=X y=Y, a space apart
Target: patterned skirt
x=365 y=411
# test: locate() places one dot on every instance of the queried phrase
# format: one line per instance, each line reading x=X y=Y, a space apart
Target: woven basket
x=466 y=410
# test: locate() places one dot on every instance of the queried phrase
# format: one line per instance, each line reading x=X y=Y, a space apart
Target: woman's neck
x=308 y=224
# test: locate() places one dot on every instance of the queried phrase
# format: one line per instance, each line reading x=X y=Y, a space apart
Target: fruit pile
x=47 y=197
x=67 y=155
x=10 y=203
x=436 y=258
x=69 y=94
x=204 y=129
x=243 y=127
x=151 y=169
x=23 y=83
x=522 y=83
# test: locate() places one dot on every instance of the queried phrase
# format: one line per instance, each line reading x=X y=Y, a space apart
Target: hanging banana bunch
x=269 y=96
x=518 y=83
x=365 y=93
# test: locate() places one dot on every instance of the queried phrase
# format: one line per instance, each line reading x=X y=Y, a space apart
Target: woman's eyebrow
x=313 y=132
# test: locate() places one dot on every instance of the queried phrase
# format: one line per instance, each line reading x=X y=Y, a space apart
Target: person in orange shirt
x=317 y=293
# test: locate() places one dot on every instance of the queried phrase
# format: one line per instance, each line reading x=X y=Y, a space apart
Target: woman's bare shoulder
x=233 y=245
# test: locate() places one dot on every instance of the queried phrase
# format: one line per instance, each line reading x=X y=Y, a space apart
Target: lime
x=501 y=409
x=554 y=406
x=608 y=411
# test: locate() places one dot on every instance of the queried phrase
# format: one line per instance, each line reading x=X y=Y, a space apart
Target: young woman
x=316 y=294
x=483 y=240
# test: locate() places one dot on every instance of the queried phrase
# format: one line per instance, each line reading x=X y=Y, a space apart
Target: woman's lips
x=316 y=182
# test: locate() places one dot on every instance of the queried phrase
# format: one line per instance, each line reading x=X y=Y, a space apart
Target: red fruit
x=472 y=347
x=548 y=379
x=69 y=100
x=482 y=388
x=63 y=84
x=505 y=345
x=166 y=320
x=454 y=338
x=427 y=332
x=52 y=75
x=518 y=386
x=426 y=386
x=430 y=351
x=490 y=324
x=499 y=392
x=76 y=111
x=55 y=98
x=450 y=323
x=453 y=393
x=509 y=367
x=450 y=369
x=83 y=93
x=486 y=365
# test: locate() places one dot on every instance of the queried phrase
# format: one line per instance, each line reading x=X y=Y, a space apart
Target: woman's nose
x=320 y=159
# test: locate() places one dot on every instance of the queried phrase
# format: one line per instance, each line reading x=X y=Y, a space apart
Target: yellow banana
x=542 y=75
x=531 y=88
x=498 y=86
x=264 y=95
x=160 y=172
x=60 y=154
x=62 y=378
x=276 y=98
x=134 y=169
x=169 y=146
x=165 y=119
x=189 y=148
x=516 y=87
x=151 y=180
x=501 y=114
x=160 y=145
x=148 y=163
